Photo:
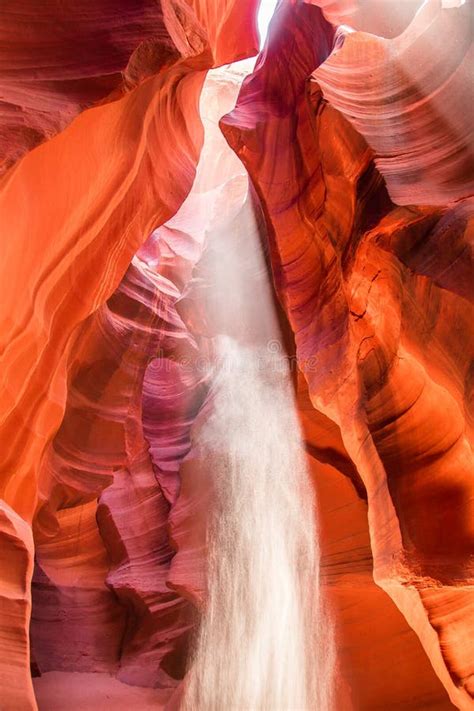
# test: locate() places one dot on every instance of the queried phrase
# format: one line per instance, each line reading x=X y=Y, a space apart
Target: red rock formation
x=16 y=567
x=378 y=655
x=116 y=383
x=406 y=96
x=134 y=133
x=387 y=18
x=67 y=57
x=385 y=350
x=358 y=150
x=70 y=56
x=77 y=207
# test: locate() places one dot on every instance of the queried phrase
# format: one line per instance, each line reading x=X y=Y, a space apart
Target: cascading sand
x=262 y=643
x=257 y=646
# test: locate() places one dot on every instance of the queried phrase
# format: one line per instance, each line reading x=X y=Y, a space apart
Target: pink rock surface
x=89 y=197
x=16 y=569
x=358 y=150
x=407 y=97
x=387 y=18
x=374 y=336
x=69 y=691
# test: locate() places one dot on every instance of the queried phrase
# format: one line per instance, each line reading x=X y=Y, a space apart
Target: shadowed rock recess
x=237 y=356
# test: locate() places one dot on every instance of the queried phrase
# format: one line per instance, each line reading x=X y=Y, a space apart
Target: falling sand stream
x=261 y=642
x=257 y=643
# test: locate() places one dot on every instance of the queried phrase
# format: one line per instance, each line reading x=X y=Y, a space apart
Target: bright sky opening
x=265 y=13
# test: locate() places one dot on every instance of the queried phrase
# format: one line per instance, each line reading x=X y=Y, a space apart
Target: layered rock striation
x=76 y=209
x=382 y=337
x=125 y=211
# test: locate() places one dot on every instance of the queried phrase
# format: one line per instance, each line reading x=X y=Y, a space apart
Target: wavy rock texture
x=16 y=568
x=71 y=56
x=68 y=57
x=135 y=386
x=381 y=337
x=360 y=159
x=407 y=97
x=387 y=18
x=100 y=445
x=68 y=361
x=377 y=652
x=92 y=209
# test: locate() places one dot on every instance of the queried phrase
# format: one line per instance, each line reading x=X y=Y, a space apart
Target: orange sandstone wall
x=359 y=150
x=378 y=288
x=74 y=211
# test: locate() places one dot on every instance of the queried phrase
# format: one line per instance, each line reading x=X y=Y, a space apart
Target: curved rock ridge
x=16 y=569
x=387 y=18
x=75 y=218
x=135 y=238
x=381 y=333
x=377 y=652
x=37 y=336
x=407 y=97
x=134 y=133
x=100 y=445
x=219 y=204
x=134 y=372
x=73 y=55
x=65 y=58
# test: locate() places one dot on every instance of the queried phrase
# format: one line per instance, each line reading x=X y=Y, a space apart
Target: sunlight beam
x=265 y=14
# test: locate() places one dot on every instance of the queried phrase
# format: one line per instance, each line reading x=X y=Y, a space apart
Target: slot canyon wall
x=135 y=156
